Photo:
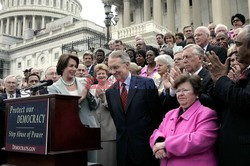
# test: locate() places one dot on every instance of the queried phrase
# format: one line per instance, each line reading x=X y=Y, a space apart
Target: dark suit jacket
x=135 y=127
x=220 y=52
x=234 y=136
x=91 y=71
x=205 y=98
x=183 y=43
x=3 y=154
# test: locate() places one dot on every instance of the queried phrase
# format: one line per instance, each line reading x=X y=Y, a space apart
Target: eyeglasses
x=236 y=20
x=178 y=91
x=238 y=44
x=219 y=39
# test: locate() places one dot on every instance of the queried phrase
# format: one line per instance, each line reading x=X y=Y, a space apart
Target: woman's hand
x=160 y=154
x=159 y=150
x=165 y=81
x=84 y=94
x=100 y=93
x=170 y=45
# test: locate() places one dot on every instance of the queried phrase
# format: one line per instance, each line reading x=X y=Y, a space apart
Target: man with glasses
x=51 y=74
x=201 y=36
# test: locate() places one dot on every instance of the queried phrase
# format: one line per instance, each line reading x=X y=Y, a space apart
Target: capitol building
x=37 y=32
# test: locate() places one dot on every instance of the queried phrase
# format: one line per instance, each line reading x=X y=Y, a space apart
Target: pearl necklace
x=68 y=84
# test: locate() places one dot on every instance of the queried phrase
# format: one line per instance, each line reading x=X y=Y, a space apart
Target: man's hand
x=216 y=68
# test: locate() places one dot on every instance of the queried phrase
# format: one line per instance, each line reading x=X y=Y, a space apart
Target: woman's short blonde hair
x=99 y=67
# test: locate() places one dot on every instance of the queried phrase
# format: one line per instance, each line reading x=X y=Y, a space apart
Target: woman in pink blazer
x=187 y=134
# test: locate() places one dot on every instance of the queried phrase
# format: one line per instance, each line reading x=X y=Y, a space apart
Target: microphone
x=37 y=86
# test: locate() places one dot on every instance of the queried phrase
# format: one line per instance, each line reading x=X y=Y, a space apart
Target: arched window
x=24 y=2
x=47 y=2
x=71 y=7
x=54 y=3
x=32 y=2
x=39 y=2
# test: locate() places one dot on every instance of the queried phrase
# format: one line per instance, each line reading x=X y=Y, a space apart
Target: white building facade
x=32 y=32
x=149 y=17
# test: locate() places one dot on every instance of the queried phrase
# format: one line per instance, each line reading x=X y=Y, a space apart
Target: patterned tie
x=124 y=96
x=11 y=96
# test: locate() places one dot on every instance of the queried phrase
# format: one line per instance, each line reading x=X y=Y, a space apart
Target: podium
x=46 y=131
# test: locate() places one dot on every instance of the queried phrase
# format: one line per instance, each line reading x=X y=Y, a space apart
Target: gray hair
x=46 y=71
x=204 y=29
x=166 y=59
x=8 y=77
x=197 y=50
x=219 y=26
x=120 y=54
x=247 y=36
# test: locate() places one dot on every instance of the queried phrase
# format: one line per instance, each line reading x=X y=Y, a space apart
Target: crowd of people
x=185 y=102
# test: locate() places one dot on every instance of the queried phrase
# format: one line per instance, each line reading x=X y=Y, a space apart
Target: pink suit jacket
x=189 y=139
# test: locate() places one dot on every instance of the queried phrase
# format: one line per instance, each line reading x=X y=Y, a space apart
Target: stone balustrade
x=133 y=30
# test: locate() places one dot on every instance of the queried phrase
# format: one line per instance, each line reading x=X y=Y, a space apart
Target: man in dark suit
x=193 y=56
x=160 y=42
x=135 y=108
x=201 y=36
x=88 y=61
x=11 y=91
x=187 y=31
x=234 y=136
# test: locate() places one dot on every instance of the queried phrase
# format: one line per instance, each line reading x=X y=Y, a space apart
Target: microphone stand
x=35 y=92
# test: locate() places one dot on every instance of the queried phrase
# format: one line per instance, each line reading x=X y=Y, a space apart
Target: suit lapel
x=208 y=48
x=132 y=90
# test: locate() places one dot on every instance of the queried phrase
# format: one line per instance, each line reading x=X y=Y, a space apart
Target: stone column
x=217 y=12
x=249 y=8
x=7 y=26
x=24 y=24
x=126 y=13
x=146 y=10
x=19 y=28
x=196 y=13
x=34 y=22
x=170 y=15
x=157 y=13
x=15 y=26
x=11 y=26
x=1 y=31
x=43 y=22
x=185 y=13
x=226 y=13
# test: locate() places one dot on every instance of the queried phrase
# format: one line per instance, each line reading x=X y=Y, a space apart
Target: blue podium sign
x=27 y=126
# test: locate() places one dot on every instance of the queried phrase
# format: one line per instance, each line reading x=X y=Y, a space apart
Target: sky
x=93 y=10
